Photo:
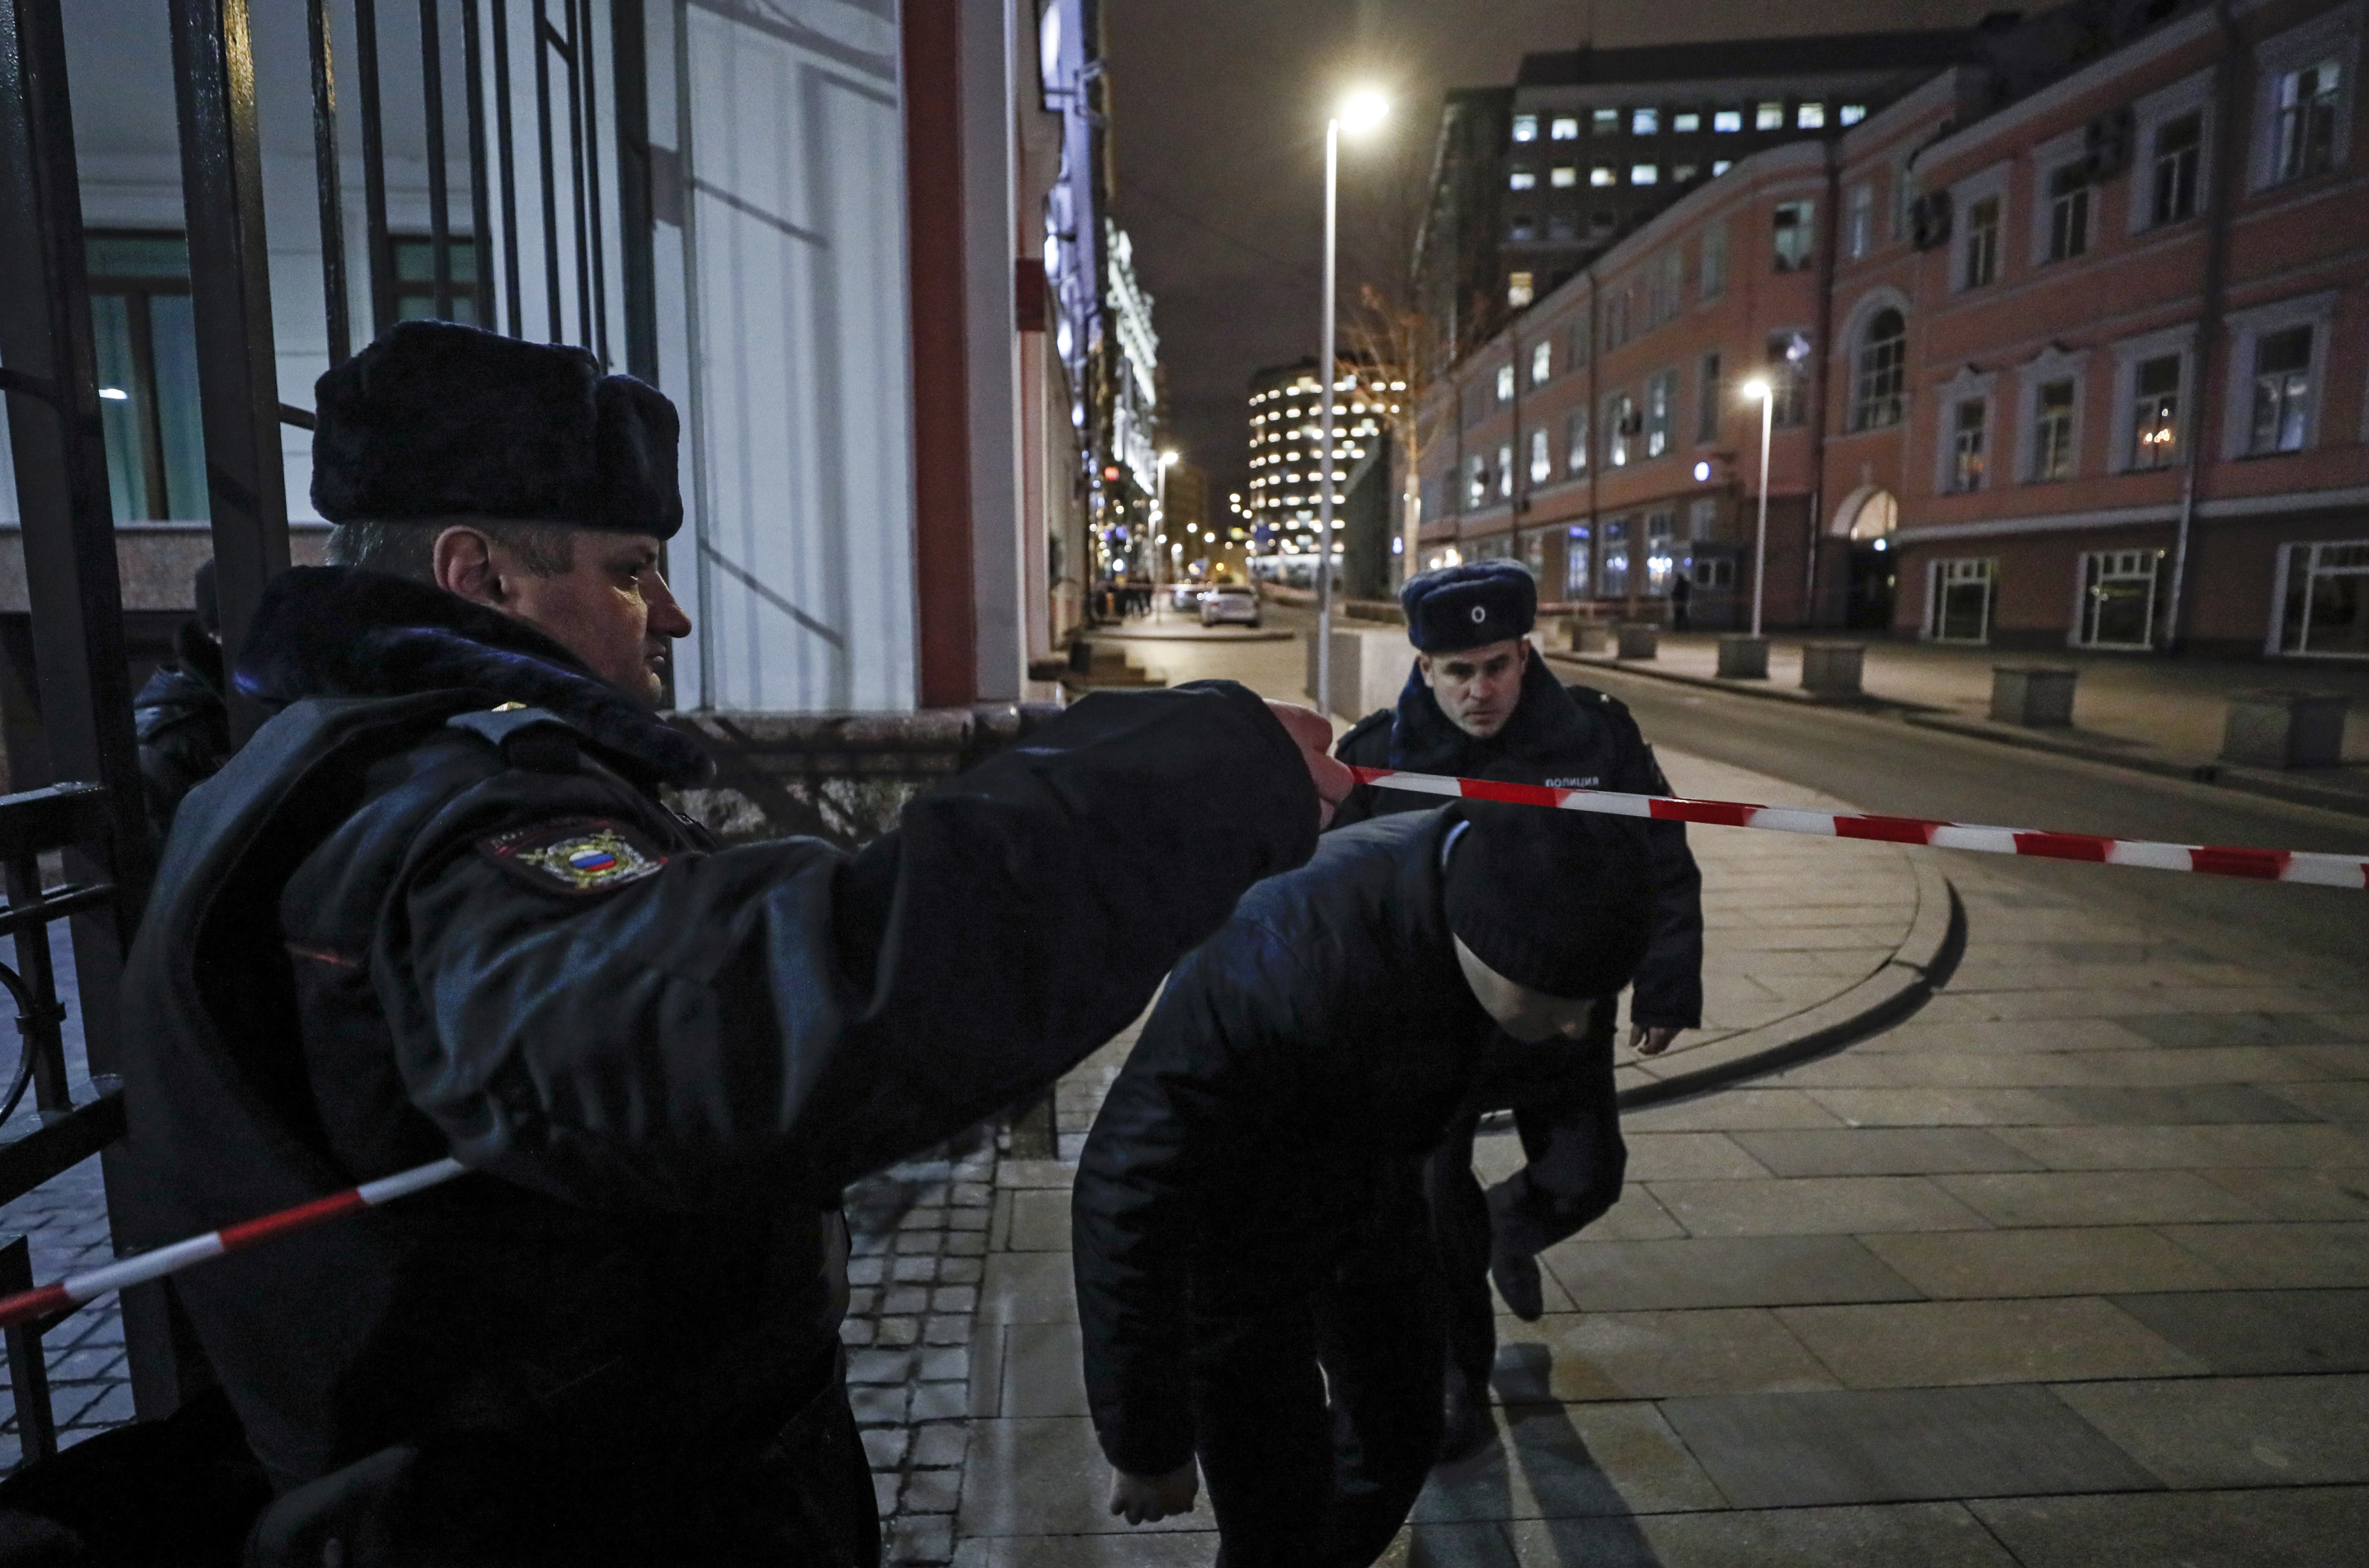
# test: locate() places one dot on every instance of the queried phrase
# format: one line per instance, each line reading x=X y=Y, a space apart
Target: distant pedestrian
x=1256 y=1277
x=1682 y=593
x=180 y=717
x=1480 y=697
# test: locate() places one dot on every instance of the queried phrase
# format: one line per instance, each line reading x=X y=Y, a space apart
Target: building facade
x=2072 y=360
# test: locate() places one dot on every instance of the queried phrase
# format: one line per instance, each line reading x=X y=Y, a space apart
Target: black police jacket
x=1269 y=1128
x=398 y=925
x=182 y=725
x=1576 y=737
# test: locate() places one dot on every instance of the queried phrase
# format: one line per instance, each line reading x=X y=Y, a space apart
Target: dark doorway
x=1873 y=578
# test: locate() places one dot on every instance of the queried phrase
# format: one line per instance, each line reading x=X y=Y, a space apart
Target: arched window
x=1878 y=389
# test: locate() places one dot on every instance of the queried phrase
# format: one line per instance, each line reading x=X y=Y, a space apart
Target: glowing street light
x=1760 y=387
x=1360 y=111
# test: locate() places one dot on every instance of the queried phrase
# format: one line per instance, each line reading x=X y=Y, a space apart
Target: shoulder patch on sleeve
x=573 y=858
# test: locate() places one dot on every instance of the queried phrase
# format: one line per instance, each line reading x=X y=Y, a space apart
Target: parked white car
x=1229 y=604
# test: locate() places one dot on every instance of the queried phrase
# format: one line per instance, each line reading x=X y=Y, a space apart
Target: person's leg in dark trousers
x=1380 y=1344
x=1575 y=1158
x=1264 y=1437
x=1459 y=1231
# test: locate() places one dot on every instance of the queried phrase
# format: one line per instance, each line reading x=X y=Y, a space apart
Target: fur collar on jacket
x=341 y=632
x=1548 y=727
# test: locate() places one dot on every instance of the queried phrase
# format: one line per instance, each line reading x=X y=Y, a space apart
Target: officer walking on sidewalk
x=1254 y=1269
x=1480 y=697
x=435 y=906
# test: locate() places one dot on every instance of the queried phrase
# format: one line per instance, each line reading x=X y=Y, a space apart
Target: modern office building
x=1589 y=144
x=1287 y=409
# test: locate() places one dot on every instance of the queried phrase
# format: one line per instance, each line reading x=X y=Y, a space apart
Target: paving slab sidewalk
x=1792 y=924
x=2161 y=715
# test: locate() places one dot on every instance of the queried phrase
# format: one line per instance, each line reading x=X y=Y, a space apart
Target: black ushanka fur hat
x=436 y=419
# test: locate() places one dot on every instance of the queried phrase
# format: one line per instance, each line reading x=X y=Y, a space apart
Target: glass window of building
x=1810 y=117
x=2155 y=412
x=1522 y=226
x=1789 y=220
x=2282 y=390
x=1525 y=128
x=1680 y=173
x=1769 y=117
x=1709 y=390
x=1522 y=178
x=1616 y=558
x=1574 y=441
x=1970 y=424
x=1645 y=174
x=1577 y=577
x=2118 y=598
x=1476 y=482
x=1721 y=165
x=1505 y=468
x=1541 y=459
x=1606 y=123
x=1644 y=122
x=1565 y=128
x=1565 y=177
x=2178 y=142
x=2051 y=430
x=1541 y=362
x=1661 y=530
x=1687 y=121
x=2327 y=609
x=144 y=338
x=2308 y=103
x=1788 y=353
x=1660 y=409
x=1620 y=429
x=1726 y=120
x=1962 y=601
x=1861 y=227
x=1601 y=175
x=1580 y=347
x=2068 y=211
x=1879 y=385
x=1563 y=225
x=1504 y=384
x=1979 y=250
x=1851 y=114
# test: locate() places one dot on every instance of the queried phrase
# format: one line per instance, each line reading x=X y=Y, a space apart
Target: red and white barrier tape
x=2261 y=865
x=75 y=1290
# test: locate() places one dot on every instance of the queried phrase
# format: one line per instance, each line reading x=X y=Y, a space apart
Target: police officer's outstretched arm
x=779 y=1010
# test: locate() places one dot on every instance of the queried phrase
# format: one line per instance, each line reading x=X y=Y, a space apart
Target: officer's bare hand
x=1312 y=734
x=1147 y=1499
x=1652 y=1041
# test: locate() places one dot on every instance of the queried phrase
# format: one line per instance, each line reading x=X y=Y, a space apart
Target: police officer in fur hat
x=436 y=906
x=1253 y=1254
x=1479 y=698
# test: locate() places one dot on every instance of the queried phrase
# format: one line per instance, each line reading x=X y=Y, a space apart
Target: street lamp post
x=1761 y=388
x=1160 y=535
x=1362 y=111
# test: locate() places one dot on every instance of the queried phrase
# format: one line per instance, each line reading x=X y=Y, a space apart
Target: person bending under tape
x=1253 y=1241
x=1480 y=697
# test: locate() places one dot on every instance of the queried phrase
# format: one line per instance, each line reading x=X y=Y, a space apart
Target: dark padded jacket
x=398 y=924
x=1575 y=737
x=182 y=725
x=1270 y=1125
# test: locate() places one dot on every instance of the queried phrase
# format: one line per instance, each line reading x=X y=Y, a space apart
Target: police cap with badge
x=1469 y=606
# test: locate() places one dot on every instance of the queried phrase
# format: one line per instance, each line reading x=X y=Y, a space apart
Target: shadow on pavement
x=1463 y=1515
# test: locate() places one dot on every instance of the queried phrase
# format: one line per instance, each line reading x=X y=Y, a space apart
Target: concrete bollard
x=2032 y=695
x=1743 y=658
x=1834 y=670
x=1640 y=639
x=2269 y=727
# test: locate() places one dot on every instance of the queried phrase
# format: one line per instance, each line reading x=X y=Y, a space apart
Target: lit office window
x=1525 y=128
x=1852 y=113
x=1564 y=129
x=1602 y=175
x=1644 y=122
x=1769 y=117
x=1685 y=121
x=1726 y=120
x=1606 y=121
x=1565 y=177
x=1522 y=180
x=1645 y=174
x=1810 y=117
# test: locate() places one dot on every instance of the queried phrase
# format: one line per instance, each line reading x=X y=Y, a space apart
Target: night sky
x=1220 y=111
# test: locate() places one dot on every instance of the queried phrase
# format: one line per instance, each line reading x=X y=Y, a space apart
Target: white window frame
x=2050 y=364
x=2247 y=328
x=2274 y=642
x=1854 y=333
x=1619 y=405
x=1505 y=470
x=1661 y=385
x=2081 y=633
x=2337 y=33
x=1936 y=573
x=1542 y=361
x=2150 y=114
x=1966 y=386
x=1992 y=181
x=2129 y=355
x=1504 y=383
x=2056 y=153
x=1541 y=456
x=1859 y=236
